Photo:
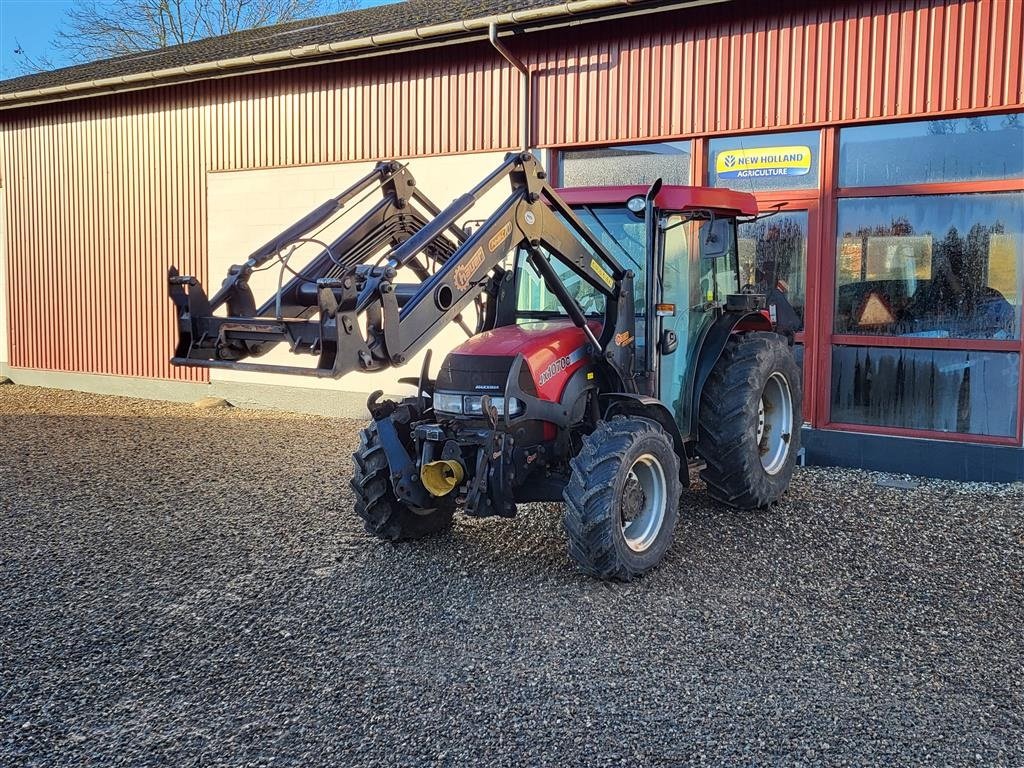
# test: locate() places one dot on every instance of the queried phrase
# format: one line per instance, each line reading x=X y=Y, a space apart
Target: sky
x=33 y=24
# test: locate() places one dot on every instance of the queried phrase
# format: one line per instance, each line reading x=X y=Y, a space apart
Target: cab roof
x=670 y=198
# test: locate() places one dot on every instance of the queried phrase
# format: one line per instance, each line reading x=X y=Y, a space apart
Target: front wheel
x=750 y=417
x=622 y=500
x=376 y=503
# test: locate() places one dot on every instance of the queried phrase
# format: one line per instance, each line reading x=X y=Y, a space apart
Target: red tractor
x=612 y=347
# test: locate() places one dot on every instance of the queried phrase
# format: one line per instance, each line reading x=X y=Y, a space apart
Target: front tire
x=622 y=500
x=382 y=513
x=750 y=417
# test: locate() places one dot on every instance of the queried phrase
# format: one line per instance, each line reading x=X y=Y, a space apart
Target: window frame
x=956 y=342
x=831 y=193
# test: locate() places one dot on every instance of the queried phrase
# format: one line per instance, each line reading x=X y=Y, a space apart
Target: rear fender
x=710 y=350
x=627 y=404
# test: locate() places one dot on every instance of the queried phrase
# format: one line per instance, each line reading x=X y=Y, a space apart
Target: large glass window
x=627 y=164
x=942 y=390
x=766 y=162
x=928 y=151
x=936 y=266
x=773 y=258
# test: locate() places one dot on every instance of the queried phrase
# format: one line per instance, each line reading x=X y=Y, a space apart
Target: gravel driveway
x=185 y=587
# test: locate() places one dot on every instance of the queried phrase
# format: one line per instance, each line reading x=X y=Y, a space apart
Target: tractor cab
x=682 y=250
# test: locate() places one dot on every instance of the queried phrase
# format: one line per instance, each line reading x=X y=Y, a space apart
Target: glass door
x=773 y=255
x=779 y=251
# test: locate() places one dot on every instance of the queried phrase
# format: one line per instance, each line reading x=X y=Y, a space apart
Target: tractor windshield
x=622 y=233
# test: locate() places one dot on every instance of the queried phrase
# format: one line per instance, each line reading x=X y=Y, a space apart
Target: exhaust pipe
x=441 y=477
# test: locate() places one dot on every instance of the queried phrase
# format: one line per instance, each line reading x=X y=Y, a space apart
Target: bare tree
x=100 y=29
x=27 y=63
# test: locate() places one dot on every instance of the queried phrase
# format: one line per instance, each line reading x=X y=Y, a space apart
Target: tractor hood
x=552 y=350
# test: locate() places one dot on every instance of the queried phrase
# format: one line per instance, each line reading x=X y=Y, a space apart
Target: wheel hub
x=632 y=498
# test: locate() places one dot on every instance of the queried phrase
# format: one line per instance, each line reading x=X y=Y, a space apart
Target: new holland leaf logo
x=729 y=161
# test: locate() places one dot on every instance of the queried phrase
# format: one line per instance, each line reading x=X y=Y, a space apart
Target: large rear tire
x=622 y=500
x=750 y=417
x=383 y=514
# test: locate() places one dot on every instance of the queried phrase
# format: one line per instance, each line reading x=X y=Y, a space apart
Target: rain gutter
x=564 y=14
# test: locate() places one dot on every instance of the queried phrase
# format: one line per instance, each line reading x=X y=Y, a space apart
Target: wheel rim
x=775 y=423
x=643 y=503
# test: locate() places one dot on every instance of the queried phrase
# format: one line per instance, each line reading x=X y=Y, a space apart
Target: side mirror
x=715 y=242
x=669 y=342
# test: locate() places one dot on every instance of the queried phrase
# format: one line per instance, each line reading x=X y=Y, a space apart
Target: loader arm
x=367 y=320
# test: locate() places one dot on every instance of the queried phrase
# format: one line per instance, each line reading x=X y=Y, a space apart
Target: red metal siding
x=103 y=194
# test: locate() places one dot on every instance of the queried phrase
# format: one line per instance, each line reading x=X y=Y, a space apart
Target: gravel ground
x=190 y=587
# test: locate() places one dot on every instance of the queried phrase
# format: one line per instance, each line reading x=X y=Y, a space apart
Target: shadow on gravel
x=192 y=588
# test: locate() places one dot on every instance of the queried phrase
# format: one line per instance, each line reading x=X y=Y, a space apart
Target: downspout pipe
x=525 y=83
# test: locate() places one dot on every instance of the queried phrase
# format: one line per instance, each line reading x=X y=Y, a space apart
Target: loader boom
x=365 y=319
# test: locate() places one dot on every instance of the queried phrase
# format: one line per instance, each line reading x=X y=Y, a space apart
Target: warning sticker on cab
x=601 y=272
x=766 y=161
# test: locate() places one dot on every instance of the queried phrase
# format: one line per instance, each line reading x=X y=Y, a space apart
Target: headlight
x=471 y=405
x=447 y=402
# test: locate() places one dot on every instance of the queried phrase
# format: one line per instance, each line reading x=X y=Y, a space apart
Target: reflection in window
x=773 y=260
x=766 y=162
x=628 y=164
x=939 y=266
x=927 y=151
x=962 y=391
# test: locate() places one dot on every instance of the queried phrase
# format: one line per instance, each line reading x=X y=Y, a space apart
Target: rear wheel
x=383 y=514
x=750 y=417
x=622 y=501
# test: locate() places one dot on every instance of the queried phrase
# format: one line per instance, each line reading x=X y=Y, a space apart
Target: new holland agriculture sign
x=767 y=161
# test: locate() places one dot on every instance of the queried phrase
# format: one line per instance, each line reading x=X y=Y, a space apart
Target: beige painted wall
x=4 y=354
x=247 y=208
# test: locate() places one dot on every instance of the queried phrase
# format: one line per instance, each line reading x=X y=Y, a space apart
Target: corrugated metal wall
x=104 y=193
x=777 y=65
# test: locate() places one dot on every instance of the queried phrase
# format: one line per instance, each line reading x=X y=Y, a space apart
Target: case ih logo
x=499 y=237
x=464 y=272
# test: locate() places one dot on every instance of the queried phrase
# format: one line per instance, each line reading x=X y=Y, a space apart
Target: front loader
x=610 y=347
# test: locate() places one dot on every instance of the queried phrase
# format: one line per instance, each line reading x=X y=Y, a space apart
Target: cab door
x=677 y=310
